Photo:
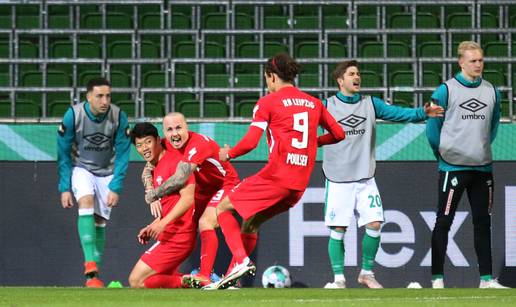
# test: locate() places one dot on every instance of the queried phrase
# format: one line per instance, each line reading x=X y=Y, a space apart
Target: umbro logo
x=97 y=138
x=473 y=105
x=352 y=120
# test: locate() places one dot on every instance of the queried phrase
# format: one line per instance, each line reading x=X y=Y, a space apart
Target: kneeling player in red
x=213 y=180
x=291 y=119
x=175 y=231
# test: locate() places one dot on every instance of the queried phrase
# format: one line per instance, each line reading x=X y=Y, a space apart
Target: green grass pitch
x=254 y=297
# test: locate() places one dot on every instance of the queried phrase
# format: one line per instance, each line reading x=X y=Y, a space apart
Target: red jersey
x=165 y=168
x=291 y=118
x=211 y=174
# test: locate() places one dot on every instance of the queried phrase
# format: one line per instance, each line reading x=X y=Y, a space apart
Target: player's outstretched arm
x=335 y=132
x=173 y=183
x=433 y=110
x=246 y=144
x=183 y=204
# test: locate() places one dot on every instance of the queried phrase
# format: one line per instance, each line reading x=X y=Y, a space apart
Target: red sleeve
x=336 y=133
x=247 y=143
x=261 y=112
x=197 y=152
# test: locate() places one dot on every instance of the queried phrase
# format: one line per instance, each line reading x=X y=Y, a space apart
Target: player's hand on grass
x=151 y=196
x=433 y=110
x=112 y=199
x=155 y=229
x=223 y=153
x=155 y=208
x=66 y=200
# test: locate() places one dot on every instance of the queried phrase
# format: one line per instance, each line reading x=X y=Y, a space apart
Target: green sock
x=336 y=253
x=99 y=244
x=437 y=276
x=486 y=277
x=86 y=227
x=369 y=249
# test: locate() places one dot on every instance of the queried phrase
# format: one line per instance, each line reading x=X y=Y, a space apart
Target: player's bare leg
x=87 y=236
x=139 y=274
x=370 y=245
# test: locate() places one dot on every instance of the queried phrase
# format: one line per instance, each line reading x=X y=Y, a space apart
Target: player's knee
x=374 y=226
x=224 y=205
x=250 y=226
x=100 y=221
x=135 y=281
x=207 y=222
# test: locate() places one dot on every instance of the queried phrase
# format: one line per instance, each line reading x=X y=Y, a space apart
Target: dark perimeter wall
x=39 y=245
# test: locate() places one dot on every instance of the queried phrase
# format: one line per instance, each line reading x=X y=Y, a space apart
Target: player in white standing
x=349 y=167
x=93 y=154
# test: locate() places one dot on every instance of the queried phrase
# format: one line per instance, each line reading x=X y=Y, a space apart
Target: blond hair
x=468 y=45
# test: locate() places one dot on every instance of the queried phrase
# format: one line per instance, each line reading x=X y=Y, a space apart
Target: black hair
x=97 y=82
x=284 y=66
x=141 y=130
x=341 y=68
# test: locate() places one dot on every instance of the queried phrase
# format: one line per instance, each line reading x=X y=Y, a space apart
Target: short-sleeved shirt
x=165 y=168
x=290 y=117
x=211 y=174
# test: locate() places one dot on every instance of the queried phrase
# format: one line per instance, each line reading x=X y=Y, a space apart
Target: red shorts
x=204 y=200
x=164 y=257
x=258 y=195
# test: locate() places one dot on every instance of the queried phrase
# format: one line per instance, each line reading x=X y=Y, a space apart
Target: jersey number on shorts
x=301 y=125
x=376 y=201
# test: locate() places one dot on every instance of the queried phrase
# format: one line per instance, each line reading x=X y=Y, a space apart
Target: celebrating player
x=290 y=118
x=349 y=167
x=175 y=230
x=214 y=178
x=93 y=154
x=472 y=107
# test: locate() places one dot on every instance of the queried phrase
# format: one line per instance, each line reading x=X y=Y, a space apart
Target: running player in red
x=175 y=232
x=291 y=119
x=214 y=179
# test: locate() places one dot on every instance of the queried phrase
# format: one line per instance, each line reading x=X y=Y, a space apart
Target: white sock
x=366 y=272
x=339 y=277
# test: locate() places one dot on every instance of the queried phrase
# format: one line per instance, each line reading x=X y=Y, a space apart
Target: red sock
x=231 y=231
x=163 y=281
x=209 y=247
x=249 y=240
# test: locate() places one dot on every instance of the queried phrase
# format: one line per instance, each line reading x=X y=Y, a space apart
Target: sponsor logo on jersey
x=98 y=142
x=159 y=180
x=353 y=121
x=473 y=105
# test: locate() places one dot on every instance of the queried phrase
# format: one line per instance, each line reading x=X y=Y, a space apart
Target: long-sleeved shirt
x=66 y=138
x=434 y=125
